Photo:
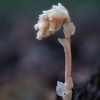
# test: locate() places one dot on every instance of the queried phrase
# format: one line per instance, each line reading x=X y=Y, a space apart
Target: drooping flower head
x=50 y=21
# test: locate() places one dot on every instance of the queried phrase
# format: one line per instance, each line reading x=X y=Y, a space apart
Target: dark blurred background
x=30 y=69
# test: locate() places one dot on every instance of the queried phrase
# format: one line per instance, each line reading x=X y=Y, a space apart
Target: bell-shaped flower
x=50 y=21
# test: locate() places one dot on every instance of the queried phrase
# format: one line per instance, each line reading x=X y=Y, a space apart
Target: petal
x=48 y=33
x=43 y=26
x=57 y=13
x=54 y=7
x=55 y=25
x=58 y=24
x=39 y=35
x=52 y=25
x=36 y=26
x=41 y=16
x=61 y=6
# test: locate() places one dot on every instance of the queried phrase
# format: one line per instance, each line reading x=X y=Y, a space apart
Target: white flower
x=50 y=21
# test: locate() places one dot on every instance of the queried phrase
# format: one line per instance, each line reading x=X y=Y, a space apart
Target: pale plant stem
x=68 y=20
x=67 y=54
x=67 y=62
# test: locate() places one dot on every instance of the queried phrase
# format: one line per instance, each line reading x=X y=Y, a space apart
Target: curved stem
x=68 y=20
x=67 y=61
x=67 y=54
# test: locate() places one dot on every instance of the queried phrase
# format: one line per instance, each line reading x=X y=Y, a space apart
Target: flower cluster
x=50 y=21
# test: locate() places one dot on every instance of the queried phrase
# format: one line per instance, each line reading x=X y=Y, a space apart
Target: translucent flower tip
x=63 y=89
